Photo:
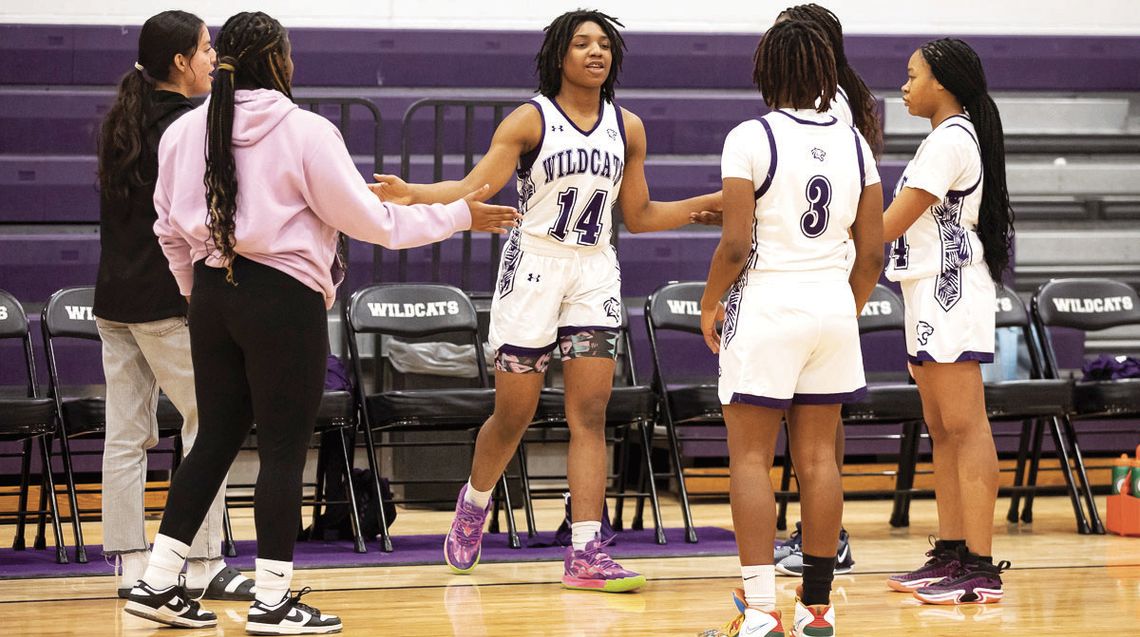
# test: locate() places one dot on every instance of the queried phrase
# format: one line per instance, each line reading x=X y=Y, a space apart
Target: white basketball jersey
x=809 y=171
x=944 y=238
x=568 y=185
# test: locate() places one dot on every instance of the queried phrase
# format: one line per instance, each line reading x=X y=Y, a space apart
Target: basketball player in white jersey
x=799 y=255
x=576 y=153
x=853 y=105
x=952 y=227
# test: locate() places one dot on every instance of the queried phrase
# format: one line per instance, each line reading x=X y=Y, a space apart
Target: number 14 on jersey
x=589 y=223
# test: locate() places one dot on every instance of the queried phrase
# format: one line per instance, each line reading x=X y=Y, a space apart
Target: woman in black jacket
x=140 y=314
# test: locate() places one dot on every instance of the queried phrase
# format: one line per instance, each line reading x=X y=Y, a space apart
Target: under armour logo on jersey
x=612 y=133
x=556 y=128
x=613 y=308
x=534 y=278
x=817 y=153
x=924 y=330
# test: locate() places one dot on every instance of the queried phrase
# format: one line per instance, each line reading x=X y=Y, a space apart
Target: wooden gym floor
x=1061 y=584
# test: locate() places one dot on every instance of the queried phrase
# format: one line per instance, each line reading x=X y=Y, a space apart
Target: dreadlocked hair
x=122 y=135
x=795 y=67
x=957 y=67
x=557 y=42
x=864 y=108
x=251 y=50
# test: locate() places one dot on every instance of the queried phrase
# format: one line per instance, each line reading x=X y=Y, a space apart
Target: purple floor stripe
x=408 y=550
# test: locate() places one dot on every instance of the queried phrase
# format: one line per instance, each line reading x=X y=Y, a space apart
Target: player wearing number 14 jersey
x=575 y=154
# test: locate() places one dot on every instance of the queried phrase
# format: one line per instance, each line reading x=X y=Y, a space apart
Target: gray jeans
x=138 y=359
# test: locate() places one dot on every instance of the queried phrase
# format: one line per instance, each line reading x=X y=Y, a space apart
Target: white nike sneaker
x=289 y=617
x=813 y=621
x=758 y=623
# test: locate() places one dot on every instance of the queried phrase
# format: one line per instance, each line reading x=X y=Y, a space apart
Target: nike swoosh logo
x=843 y=555
x=178 y=554
x=751 y=577
x=176 y=605
x=274 y=573
x=755 y=629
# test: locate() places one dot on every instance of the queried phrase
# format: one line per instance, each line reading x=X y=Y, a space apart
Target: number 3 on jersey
x=814 y=221
x=589 y=224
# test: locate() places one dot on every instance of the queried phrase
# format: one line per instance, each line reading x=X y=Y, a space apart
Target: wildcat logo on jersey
x=579 y=161
x=612 y=133
x=612 y=307
x=818 y=153
x=925 y=331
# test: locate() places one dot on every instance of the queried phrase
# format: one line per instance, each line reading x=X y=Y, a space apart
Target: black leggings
x=259 y=352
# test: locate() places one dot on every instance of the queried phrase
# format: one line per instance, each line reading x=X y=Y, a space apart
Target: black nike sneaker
x=171 y=606
x=289 y=617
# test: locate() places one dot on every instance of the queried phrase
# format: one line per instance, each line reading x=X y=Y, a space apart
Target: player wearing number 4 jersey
x=799 y=255
x=576 y=154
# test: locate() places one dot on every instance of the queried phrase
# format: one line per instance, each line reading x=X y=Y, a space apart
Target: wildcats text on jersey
x=581 y=161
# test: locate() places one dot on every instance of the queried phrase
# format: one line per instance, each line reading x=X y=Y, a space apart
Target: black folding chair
x=68 y=315
x=1087 y=305
x=29 y=419
x=409 y=311
x=676 y=307
x=631 y=406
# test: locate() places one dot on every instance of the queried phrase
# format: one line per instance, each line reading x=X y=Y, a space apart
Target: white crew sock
x=582 y=533
x=759 y=586
x=167 y=557
x=199 y=573
x=477 y=497
x=133 y=566
x=273 y=579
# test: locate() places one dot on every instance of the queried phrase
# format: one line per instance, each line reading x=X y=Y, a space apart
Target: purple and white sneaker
x=943 y=563
x=464 y=542
x=594 y=570
x=976 y=582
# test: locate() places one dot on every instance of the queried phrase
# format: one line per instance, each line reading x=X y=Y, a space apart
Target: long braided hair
x=864 y=108
x=795 y=66
x=957 y=67
x=557 y=41
x=252 y=49
x=122 y=141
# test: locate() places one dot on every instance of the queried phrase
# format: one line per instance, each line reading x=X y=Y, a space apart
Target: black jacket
x=134 y=284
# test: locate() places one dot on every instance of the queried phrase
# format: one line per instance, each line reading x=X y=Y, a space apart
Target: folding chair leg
x=785 y=483
x=1019 y=470
x=1067 y=470
x=370 y=445
x=73 y=500
x=524 y=478
x=512 y=533
x=229 y=548
x=621 y=451
x=639 y=510
x=647 y=446
x=904 y=476
x=320 y=487
x=1034 y=465
x=22 y=505
x=40 y=542
x=1096 y=526
x=354 y=514
x=49 y=505
x=679 y=474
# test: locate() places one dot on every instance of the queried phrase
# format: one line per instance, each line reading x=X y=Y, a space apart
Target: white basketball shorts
x=950 y=317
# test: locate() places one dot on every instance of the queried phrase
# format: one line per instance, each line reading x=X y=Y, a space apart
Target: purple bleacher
x=49 y=121
x=99 y=55
x=62 y=189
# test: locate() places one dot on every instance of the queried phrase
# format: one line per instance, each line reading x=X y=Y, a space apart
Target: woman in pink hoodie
x=250 y=196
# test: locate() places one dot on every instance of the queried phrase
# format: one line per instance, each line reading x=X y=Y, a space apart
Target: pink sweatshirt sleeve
x=174 y=245
x=339 y=196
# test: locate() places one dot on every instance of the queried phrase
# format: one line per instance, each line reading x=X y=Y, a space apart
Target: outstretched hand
x=392 y=189
x=488 y=217
x=707 y=218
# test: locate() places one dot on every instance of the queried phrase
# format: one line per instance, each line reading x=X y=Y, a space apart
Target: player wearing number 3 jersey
x=799 y=255
x=576 y=154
